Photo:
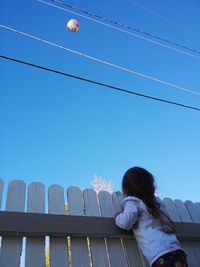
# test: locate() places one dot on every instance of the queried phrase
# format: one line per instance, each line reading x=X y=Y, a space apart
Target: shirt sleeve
x=128 y=217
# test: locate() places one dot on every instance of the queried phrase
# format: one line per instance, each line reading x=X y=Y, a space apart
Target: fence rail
x=37 y=225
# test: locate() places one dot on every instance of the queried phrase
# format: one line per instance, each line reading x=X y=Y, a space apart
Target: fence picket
x=1 y=191
x=198 y=206
x=35 y=246
x=171 y=209
x=130 y=245
x=183 y=212
x=11 y=247
x=115 y=247
x=194 y=211
x=58 y=245
x=108 y=252
x=79 y=246
x=97 y=245
x=178 y=214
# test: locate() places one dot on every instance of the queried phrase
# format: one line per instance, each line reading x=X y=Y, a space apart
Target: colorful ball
x=73 y=25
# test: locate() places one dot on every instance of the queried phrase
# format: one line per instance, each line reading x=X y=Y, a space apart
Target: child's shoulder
x=136 y=201
x=131 y=198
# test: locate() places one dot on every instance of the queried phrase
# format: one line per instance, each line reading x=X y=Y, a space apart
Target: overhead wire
x=98 y=83
x=101 y=61
x=126 y=27
x=168 y=21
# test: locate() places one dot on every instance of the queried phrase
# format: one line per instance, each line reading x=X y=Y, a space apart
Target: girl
x=153 y=229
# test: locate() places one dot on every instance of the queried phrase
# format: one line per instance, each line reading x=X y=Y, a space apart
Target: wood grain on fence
x=132 y=253
x=115 y=248
x=35 y=246
x=179 y=213
x=99 y=255
x=58 y=250
x=79 y=246
x=11 y=247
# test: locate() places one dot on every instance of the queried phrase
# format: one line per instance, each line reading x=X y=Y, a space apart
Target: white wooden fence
x=82 y=251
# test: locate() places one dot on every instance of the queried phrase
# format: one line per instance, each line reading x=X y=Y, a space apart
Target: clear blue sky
x=58 y=130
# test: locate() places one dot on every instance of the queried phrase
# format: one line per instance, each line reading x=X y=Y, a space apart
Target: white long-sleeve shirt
x=151 y=238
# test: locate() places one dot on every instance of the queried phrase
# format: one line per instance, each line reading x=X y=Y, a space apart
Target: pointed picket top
x=193 y=210
x=16 y=196
x=171 y=209
x=182 y=210
x=56 y=201
x=74 y=196
x=36 y=197
x=117 y=201
x=106 y=204
x=91 y=203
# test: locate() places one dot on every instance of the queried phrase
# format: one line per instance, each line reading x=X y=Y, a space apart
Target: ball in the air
x=73 y=25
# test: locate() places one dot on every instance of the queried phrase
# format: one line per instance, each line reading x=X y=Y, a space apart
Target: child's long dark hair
x=139 y=182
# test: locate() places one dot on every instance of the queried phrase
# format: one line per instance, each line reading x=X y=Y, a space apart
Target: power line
x=101 y=61
x=180 y=27
x=124 y=31
x=125 y=27
x=98 y=83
